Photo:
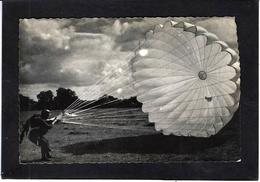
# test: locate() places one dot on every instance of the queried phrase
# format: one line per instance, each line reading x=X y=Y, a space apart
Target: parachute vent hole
x=209 y=99
x=202 y=75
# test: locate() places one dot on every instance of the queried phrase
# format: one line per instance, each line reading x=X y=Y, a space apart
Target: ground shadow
x=149 y=144
x=160 y=144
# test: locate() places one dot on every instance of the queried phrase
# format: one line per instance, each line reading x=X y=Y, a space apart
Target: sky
x=91 y=55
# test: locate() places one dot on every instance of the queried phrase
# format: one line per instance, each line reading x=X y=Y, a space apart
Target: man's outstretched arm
x=46 y=123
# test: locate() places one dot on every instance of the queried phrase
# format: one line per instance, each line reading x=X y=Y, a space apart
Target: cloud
x=135 y=32
x=92 y=53
x=31 y=90
x=54 y=53
x=43 y=35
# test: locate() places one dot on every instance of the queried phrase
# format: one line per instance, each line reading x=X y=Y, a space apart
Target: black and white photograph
x=129 y=90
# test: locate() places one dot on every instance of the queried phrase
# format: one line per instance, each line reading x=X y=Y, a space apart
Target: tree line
x=65 y=97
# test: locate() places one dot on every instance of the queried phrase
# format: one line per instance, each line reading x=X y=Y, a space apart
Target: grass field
x=129 y=140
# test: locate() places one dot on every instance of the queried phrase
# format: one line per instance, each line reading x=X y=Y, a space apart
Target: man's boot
x=48 y=155
x=44 y=158
x=44 y=155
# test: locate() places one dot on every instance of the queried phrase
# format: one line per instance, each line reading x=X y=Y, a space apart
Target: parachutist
x=36 y=127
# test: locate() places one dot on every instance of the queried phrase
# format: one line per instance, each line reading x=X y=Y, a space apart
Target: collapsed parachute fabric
x=187 y=79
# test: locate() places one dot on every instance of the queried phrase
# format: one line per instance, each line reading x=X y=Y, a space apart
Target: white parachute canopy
x=187 y=79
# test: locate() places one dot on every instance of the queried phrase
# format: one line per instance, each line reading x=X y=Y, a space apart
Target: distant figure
x=37 y=126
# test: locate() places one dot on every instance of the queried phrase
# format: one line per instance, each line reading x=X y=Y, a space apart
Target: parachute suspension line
x=78 y=100
x=103 y=78
x=73 y=104
x=116 y=112
x=84 y=110
x=106 y=76
x=118 y=116
x=111 y=127
x=97 y=113
x=86 y=103
x=145 y=117
x=105 y=119
x=78 y=103
x=110 y=91
x=96 y=85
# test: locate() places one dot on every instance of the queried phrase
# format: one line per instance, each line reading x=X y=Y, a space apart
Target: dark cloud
x=90 y=25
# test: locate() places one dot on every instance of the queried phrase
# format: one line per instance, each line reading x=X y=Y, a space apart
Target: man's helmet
x=45 y=113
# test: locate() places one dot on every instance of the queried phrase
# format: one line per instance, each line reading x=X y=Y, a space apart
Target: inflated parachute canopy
x=187 y=79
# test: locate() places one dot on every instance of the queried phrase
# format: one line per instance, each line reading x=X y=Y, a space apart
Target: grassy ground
x=130 y=141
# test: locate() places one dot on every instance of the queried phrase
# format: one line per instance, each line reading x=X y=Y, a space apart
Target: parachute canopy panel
x=187 y=79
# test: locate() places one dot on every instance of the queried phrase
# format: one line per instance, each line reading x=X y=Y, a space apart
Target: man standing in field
x=37 y=126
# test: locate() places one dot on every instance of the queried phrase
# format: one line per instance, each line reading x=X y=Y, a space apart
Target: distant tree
x=105 y=101
x=64 y=98
x=45 y=100
x=26 y=104
x=134 y=102
x=108 y=101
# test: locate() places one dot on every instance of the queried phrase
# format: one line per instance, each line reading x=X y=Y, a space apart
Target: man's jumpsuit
x=38 y=127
